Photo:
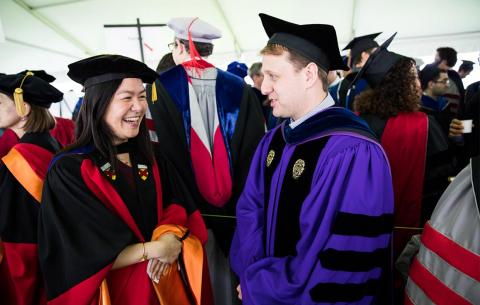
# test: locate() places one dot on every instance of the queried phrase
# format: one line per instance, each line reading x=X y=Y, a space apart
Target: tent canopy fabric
x=50 y=34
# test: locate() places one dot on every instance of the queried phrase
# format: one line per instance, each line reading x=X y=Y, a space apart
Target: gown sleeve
x=178 y=200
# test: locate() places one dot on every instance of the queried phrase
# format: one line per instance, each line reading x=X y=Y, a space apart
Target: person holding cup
x=415 y=144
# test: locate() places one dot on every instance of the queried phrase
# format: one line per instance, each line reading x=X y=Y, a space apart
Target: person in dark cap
x=472 y=89
x=208 y=123
x=465 y=68
x=238 y=68
x=360 y=49
x=319 y=186
x=106 y=193
x=24 y=102
x=63 y=131
x=415 y=144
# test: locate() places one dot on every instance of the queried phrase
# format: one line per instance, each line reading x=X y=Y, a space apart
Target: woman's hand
x=166 y=248
x=165 y=252
x=156 y=268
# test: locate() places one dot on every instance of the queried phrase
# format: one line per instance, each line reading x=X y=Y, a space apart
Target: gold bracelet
x=144 y=255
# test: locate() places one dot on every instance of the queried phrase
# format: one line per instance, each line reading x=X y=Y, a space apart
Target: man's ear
x=311 y=74
x=430 y=85
x=182 y=47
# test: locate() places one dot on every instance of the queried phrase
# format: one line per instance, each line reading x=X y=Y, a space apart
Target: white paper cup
x=467 y=126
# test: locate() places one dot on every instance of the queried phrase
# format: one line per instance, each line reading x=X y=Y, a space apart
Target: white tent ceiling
x=50 y=34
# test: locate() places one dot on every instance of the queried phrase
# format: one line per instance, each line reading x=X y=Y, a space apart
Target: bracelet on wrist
x=145 y=254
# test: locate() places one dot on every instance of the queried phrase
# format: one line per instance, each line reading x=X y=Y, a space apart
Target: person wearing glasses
x=415 y=144
x=208 y=123
x=435 y=83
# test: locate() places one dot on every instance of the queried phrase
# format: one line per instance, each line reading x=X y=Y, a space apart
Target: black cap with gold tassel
x=26 y=87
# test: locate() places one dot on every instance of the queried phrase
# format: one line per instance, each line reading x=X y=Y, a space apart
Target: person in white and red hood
x=208 y=122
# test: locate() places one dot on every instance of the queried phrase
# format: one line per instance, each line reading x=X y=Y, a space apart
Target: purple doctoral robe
x=314 y=220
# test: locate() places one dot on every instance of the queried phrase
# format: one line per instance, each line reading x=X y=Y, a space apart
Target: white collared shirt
x=327 y=102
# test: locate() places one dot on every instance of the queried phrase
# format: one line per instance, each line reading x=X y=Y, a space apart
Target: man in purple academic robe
x=314 y=221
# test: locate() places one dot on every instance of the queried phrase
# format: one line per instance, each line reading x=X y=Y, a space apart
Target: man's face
x=178 y=51
x=440 y=86
x=283 y=85
x=364 y=57
x=464 y=73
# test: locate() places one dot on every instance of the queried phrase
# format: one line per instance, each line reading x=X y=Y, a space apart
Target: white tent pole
x=54 y=27
x=236 y=44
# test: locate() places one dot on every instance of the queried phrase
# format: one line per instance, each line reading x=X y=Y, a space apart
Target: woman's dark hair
x=397 y=92
x=203 y=48
x=165 y=63
x=91 y=128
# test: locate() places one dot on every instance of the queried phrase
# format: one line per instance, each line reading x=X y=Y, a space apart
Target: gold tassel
x=19 y=104
x=18 y=97
x=154 y=93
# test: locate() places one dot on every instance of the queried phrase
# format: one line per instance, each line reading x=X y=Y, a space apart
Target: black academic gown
x=91 y=212
x=439 y=164
x=171 y=116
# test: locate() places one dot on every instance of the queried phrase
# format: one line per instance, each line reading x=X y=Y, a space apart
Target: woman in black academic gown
x=414 y=142
x=24 y=102
x=107 y=193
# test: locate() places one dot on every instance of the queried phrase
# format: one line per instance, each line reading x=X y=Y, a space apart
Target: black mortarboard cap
x=41 y=74
x=103 y=68
x=361 y=43
x=466 y=65
x=378 y=64
x=316 y=42
x=30 y=88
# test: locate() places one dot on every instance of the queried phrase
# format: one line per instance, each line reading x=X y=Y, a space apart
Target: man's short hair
x=448 y=54
x=430 y=73
x=255 y=69
x=357 y=59
x=298 y=61
x=204 y=48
